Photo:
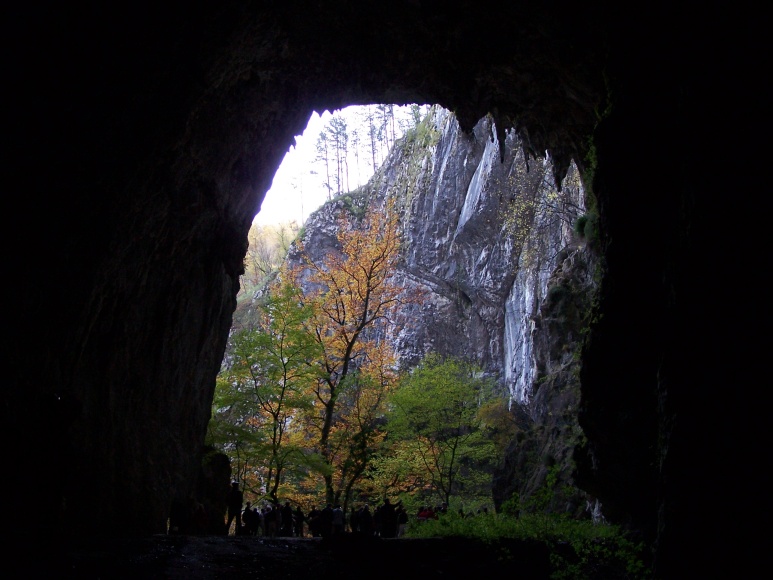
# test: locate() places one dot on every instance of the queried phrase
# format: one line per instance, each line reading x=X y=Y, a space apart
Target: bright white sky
x=296 y=190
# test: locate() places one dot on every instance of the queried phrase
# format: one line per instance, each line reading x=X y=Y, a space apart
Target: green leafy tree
x=265 y=387
x=357 y=435
x=435 y=412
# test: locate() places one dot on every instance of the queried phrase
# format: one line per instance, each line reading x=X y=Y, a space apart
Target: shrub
x=557 y=293
x=587 y=227
x=579 y=225
x=579 y=549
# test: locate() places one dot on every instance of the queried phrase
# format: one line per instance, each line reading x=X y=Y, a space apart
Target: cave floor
x=235 y=558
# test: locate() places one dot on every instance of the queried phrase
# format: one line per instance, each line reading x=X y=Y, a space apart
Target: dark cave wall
x=143 y=143
x=159 y=133
x=660 y=424
x=150 y=183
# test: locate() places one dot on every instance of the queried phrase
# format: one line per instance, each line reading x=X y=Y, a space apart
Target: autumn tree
x=353 y=295
x=268 y=246
x=264 y=389
x=435 y=415
x=396 y=470
x=357 y=434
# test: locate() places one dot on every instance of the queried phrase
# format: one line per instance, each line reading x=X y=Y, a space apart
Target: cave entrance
x=490 y=232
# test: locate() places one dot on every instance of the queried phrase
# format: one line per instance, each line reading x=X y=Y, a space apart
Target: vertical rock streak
x=482 y=297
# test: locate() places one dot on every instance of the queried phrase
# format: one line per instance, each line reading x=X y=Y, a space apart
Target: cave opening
x=142 y=146
x=484 y=181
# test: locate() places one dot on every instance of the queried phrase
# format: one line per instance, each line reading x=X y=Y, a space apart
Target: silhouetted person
x=287 y=520
x=271 y=520
x=365 y=521
x=200 y=519
x=327 y=521
x=388 y=520
x=315 y=522
x=260 y=523
x=353 y=524
x=277 y=511
x=235 y=498
x=249 y=521
x=298 y=519
x=377 y=521
x=338 y=523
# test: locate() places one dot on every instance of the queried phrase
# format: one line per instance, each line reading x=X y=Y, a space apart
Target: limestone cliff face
x=515 y=306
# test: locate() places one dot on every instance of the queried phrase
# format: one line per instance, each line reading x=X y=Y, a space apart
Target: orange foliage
x=354 y=297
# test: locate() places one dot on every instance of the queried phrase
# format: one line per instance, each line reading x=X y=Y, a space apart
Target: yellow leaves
x=296 y=435
x=499 y=422
x=399 y=470
x=353 y=291
x=348 y=298
x=267 y=248
x=353 y=295
x=359 y=274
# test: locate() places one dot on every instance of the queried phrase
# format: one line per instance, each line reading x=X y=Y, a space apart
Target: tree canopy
x=305 y=388
x=353 y=296
x=436 y=415
x=265 y=388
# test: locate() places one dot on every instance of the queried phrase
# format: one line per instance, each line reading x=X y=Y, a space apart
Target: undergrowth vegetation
x=579 y=549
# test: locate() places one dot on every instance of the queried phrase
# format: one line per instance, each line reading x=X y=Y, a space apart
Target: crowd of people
x=386 y=520
x=273 y=519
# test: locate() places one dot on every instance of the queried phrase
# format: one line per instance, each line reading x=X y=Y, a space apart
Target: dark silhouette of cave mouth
x=113 y=159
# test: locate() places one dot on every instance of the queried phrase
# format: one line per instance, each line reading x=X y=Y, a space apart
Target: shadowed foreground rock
x=211 y=557
x=141 y=143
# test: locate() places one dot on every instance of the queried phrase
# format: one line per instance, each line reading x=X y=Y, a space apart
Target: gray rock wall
x=457 y=195
x=516 y=305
